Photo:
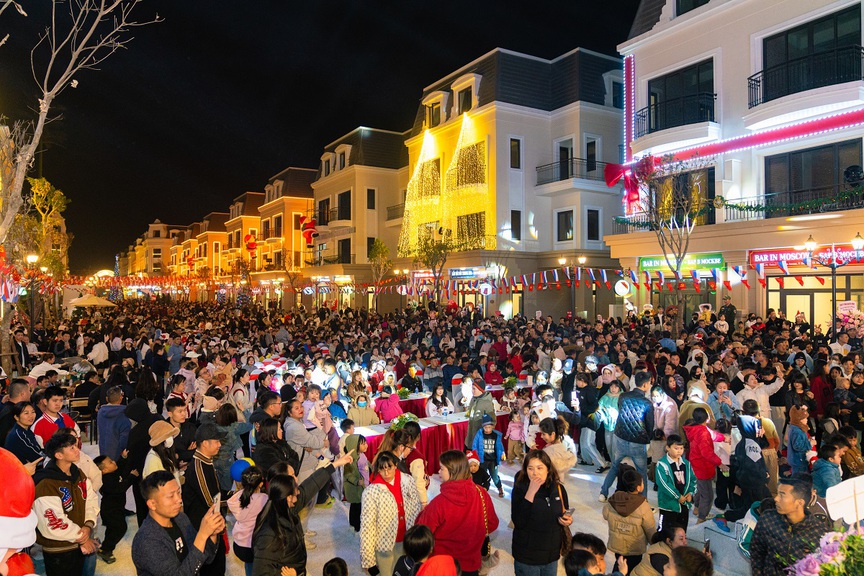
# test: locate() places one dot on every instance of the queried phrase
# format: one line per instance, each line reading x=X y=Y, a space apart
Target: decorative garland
x=816 y=205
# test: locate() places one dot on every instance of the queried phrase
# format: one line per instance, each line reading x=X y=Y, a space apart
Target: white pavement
x=336 y=538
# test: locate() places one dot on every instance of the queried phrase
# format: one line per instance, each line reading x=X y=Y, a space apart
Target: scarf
x=396 y=491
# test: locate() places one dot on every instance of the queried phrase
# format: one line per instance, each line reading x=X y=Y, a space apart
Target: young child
x=515 y=436
x=524 y=399
x=116 y=480
x=579 y=562
x=347 y=427
x=418 y=543
x=826 y=470
x=310 y=407
x=488 y=443
x=356 y=478
x=723 y=449
x=703 y=460
x=629 y=516
x=245 y=505
x=333 y=567
x=532 y=434
x=844 y=397
x=676 y=484
x=509 y=400
x=853 y=463
x=593 y=544
x=479 y=475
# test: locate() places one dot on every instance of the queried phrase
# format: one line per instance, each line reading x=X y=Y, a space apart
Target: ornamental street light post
x=833 y=263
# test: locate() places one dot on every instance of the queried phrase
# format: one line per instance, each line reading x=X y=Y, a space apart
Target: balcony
x=572 y=168
x=673 y=113
x=396 y=211
x=328 y=259
x=272 y=237
x=826 y=68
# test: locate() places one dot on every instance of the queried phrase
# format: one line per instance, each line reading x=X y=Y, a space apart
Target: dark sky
x=223 y=95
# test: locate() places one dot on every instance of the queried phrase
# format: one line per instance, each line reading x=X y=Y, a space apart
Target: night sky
x=223 y=95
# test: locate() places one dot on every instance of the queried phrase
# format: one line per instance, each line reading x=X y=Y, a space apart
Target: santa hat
x=17 y=519
x=472 y=456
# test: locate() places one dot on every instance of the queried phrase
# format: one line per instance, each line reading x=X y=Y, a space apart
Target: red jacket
x=702 y=457
x=388 y=408
x=456 y=518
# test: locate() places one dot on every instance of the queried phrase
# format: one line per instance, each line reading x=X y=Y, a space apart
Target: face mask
x=362 y=404
x=169 y=442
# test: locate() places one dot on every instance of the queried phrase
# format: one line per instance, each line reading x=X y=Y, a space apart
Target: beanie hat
x=487 y=420
x=473 y=457
x=160 y=431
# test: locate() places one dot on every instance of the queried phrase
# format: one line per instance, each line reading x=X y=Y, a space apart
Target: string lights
x=422 y=198
x=466 y=190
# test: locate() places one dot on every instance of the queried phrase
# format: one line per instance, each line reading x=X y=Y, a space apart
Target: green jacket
x=607 y=411
x=667 y=494
x=353 y=479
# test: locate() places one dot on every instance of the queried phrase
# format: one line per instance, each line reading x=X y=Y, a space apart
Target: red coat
x=388 y=408
x=456 y=519
x=702 y=457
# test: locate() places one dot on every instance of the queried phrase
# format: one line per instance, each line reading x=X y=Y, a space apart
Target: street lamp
x=833 y=264
x=32 y=259
x=562 y=261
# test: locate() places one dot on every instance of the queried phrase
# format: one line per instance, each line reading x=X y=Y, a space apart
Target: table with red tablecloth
x=437 y=435
x=415 y=404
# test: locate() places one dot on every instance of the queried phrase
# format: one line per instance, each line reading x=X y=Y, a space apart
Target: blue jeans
x=521 y=569
x=588 y=445
x=89 y=568
x=637 y=452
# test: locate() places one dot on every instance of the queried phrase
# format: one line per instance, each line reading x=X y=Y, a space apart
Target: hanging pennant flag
x=647 y=279
x=578 y=276
x=784 y=267
x=620 y=273
x=740 y=271
x=633 y=278
x=695 y=275
x=762 y=281
x=715 y=272
x=605 y=280
x=760 y=269
x=745 y=283
x=555 y=274
x=543 y=275
x=661 y=278
x=671 y=289
x=591 y=274
x=800 y=280
x=524 y=281
x=820 y=280
x=728 y=285
x=780 y=281
x=567 y=272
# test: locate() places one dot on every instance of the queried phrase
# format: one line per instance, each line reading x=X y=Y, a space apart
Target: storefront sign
x=699 y=261
x=342 y=279
x=846 y=307
x=793 y=257
x=422 y=274
x=467 y=273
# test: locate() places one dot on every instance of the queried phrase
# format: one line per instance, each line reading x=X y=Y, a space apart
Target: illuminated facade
x=768 y=94
x=506 y=157
x=150 y=255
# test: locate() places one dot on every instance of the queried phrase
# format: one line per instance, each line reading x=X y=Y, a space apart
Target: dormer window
x=341 y=160
x=466 y=88
x=433 y=115
x=327 y=167
x=343 y=154
x=436 y=105
x=613 y=82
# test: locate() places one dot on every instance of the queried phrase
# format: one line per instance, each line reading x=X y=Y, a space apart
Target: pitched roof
x=374 y=147
x=530 y=81
x=297 y=181
x=647 y=17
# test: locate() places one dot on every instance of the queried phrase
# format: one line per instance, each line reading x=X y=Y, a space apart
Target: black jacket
x=200 y=487
x=270 y=554
x=139 y=437
x=114 y=487
x=588 y=404
x=537 y=533
x=185 y=439
x=269 y=453
x=635 y=418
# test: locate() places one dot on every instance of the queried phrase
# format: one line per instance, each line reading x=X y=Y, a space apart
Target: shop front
x=691 y=298
x=808 y=289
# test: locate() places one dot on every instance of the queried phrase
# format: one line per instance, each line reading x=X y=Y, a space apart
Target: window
x=516 y=153
x=565 y=226
x=157 y=253
x=370 y=199
x=237 y=239
x=684 y=6
x=265 y=229
x=323 y=212
x=370 y=240
x=341 y=160
x=277 y=260
x=591 y=155
x=516 y=224
x=465 y=100
x=344 y=209
x=683 y=97
x=344 y=251
x=296 y=259
x=592 y=225
x=618 y=95
x=685 y=192
x=434 y=115
x=277 y=226
x=327 y=167
x=157 y=233
x=811 y=174
x=471 y=229
x=297 y=224
x=819 y=53
x=217 y=248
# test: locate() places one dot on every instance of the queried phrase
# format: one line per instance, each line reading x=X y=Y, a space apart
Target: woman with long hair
x=149 y=389
x=438 y=402
x=822 y=386
x=461 y=516
x=162 y=455
x=562 y=456
x=277 y=540
x=541 y=514
x=389 y=507
x=271 y=448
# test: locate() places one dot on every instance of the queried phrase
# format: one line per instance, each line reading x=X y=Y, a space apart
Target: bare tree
x=379 y=260
x=80 y=36
x=674 y=201
x=293 y=274
x=4 y=5
x=432 y=253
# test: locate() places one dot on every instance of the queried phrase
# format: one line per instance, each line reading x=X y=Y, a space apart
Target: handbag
x=566 y=535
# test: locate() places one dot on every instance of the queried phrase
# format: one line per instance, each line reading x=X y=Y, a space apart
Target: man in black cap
x=728 y=310
x=201 y=487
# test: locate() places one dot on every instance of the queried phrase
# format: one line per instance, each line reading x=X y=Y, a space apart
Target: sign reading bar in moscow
x=793 y=257
x=703 y=261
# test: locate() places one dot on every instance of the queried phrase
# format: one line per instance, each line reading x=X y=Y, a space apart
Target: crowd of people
x=206 y=411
